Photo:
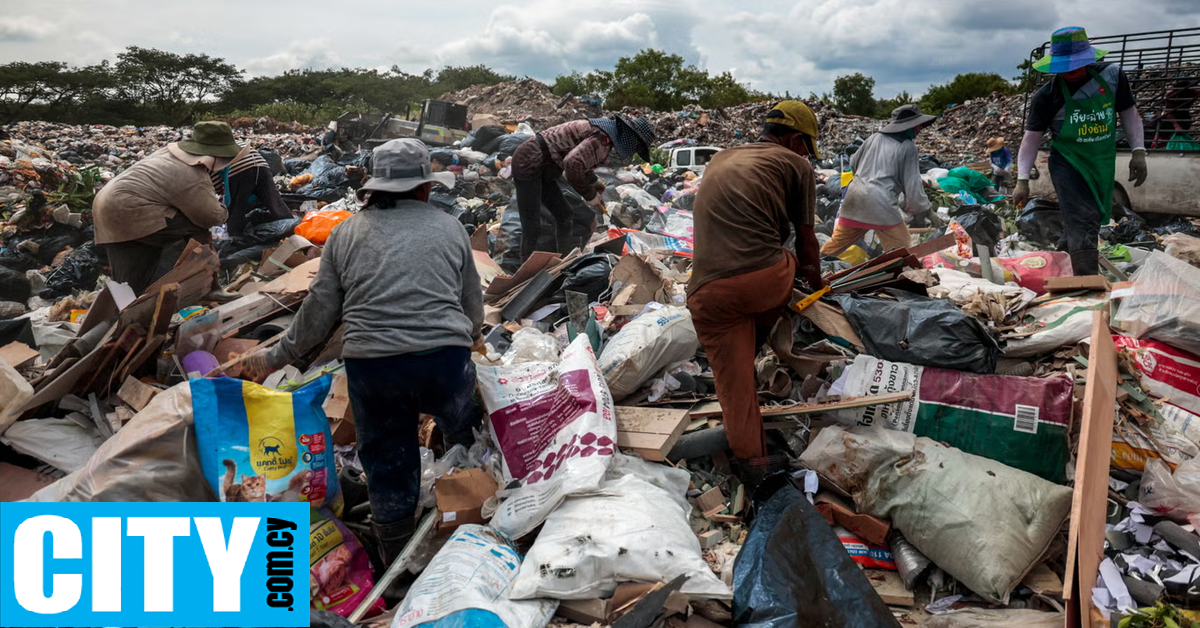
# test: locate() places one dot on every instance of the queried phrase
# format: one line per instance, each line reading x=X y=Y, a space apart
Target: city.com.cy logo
x=154 y=564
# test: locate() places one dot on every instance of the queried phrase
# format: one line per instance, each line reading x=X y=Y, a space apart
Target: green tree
x=724 y=91
x=1028 y=79
x=453 y=79
x=964 y=87
x=884 y=107
x=49 y=88
x=854 y=94
x=573 y=83
x=652 y=79
x=170 y=87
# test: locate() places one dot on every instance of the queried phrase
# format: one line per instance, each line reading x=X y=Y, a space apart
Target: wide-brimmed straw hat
x=1070 y=49
x=402 y=165
x=995 y=144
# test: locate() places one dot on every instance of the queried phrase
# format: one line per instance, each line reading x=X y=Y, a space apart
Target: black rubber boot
x=392 y=538
x=1085 y=263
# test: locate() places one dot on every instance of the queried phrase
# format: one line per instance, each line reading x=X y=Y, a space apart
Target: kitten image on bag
x=253 y=488
x=292 y=492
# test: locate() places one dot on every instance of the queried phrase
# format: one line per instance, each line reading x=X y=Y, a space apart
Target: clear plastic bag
x=1175 y=496
x=1164 y=303
x=531 y=345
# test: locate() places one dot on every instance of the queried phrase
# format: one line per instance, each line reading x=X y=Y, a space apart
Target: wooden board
x=650 y=432
x=18 y=354
x=1089 y=506
x=714 y=499
x=1095 y=283
x=890 y=587
x=136 y=393
x=714 y=410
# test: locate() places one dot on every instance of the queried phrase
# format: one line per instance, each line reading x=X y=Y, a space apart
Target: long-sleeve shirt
x=752 y=197
x=140 y=200
x=250 y=186
x=577 y=148
x=884 y=167
x=402 y=280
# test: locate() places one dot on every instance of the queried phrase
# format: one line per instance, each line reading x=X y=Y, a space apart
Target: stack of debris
x=526 y=100
x=958 y=363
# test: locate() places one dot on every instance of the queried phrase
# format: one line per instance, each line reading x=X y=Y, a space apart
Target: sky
x=796 y=46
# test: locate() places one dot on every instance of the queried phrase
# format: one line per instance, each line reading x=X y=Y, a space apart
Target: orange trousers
x=845 y=236
x=725 y=313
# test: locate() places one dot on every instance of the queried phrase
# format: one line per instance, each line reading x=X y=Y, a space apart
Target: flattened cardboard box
x=460 y=496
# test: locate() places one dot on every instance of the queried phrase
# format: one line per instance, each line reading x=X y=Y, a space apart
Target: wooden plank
x=250 y=309
x=890 y=587
x=932 y=246
x=136 y=393
x=814 y=408
x=713 y=499
x=18 y=355
x=652 y=432
x=148 y=350
x=1089 y=505
x=165 y=307
x=1095 y=283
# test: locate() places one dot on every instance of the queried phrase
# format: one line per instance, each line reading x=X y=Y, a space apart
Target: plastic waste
x=982 y=224
x=1041 y=222
x=79 y=271
x=645 y=347
x=905 y=479
x=1173 y=495
x=317 y=226
x=793 y=571
x=920 y=330
x=1163 y=304
x=910 y=562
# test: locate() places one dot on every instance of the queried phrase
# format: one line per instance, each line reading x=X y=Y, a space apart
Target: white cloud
x=25 y=28
x=313 y=54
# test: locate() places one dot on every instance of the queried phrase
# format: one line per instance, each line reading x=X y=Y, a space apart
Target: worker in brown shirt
x=742 y=274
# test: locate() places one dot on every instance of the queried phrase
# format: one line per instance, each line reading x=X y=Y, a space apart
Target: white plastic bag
x=555 y=426
x=464 y=587
x=1164 y=303
x=635 y=528
x=983 y=522
x=645 y=347
x=1176 y=496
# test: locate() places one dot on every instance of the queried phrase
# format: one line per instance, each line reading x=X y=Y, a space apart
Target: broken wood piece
x=710 y=500
x=1042 y=581
x=890 y=587
x=650 y=432
x=713 y=409
x=18 y=354
x=136 y=393
x=711 y=539
x=726 y=519
x=739 y=500
x=1094 y=283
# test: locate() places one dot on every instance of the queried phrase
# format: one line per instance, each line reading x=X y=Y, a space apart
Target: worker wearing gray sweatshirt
x=401 y=276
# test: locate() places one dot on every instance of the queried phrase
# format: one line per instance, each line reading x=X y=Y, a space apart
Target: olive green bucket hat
x=211 y=138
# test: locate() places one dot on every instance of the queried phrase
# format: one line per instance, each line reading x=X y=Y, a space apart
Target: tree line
x=146 y=86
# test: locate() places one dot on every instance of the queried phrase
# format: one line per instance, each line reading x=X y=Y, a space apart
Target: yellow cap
x=796 y=115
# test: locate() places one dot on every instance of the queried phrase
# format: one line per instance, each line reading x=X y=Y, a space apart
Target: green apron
x=1088 y=141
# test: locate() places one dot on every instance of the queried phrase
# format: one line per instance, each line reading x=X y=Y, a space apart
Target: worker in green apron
x=1080 y=106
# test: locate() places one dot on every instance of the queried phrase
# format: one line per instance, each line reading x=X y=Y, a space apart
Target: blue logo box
x=153 y=564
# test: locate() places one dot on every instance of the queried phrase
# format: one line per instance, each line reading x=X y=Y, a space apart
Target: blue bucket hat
x=1070 y=49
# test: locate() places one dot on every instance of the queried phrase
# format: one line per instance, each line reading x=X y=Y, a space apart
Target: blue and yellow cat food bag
x=263 y=445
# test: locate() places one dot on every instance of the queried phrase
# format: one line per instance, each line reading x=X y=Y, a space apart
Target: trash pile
x=959 y=432
x=527 y=100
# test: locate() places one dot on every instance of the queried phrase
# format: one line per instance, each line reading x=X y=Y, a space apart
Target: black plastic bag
x=79 y=271
x=487 y=138
x=1179 y=224
x=274 y=161
x=920 y=330
x=296 y=166
x=510 y=143
x=14 y=286
x=442 y=156
x=793 y=571
x=983 y=225
x=1128 y=231
x=929 y=162
x=1041 y=223
x=589 y=275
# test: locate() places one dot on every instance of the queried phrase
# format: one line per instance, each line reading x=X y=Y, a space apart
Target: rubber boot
x=1086 y=262
x=392 y=538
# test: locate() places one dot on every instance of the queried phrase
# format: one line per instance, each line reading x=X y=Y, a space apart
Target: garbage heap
x=960 y=433
x=527 y=100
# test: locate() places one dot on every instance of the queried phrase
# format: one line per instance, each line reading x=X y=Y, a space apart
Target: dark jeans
x=1080 y=214
x=531 y=196
x=388 y=396
x=141 y=262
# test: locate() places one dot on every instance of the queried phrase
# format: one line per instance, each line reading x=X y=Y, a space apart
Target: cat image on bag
x=271 y=449
x=252 y=488
x=292 y=492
